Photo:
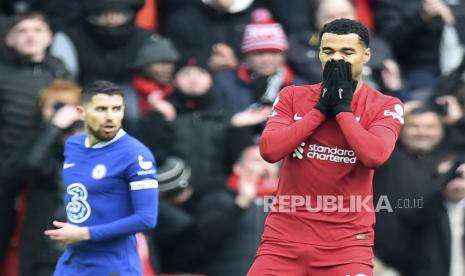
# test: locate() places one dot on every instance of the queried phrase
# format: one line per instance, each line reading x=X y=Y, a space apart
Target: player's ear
x=366 y=55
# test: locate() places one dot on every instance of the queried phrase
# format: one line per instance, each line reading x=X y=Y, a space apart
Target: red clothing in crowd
x=146 y=87
x=328 y=157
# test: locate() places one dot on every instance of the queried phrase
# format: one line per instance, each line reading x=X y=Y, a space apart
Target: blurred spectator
x=106 y=42
x=381 y=72
x=25 y=68
x=38 y=164
x=439 y=226
x=449 y=100
x=211 y=31
x=201 y=133
x=422 y=145
x=3 y=26
x=299 y=9
x=166 y=7
x=250 y=90
x=218 y=234
x=364 y=10
x=154 y=68
x=424 y=34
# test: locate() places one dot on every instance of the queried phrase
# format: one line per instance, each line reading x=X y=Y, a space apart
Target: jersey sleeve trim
x=143 y=184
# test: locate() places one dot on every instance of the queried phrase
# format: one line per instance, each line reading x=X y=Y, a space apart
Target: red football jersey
x=328 y=164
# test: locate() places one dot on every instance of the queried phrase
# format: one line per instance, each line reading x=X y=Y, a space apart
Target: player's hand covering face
x=103 y=116
x=337 y=88
x=348 y=47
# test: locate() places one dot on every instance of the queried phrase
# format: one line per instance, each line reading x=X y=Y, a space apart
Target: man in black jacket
x=438 y=227
x=25 y=67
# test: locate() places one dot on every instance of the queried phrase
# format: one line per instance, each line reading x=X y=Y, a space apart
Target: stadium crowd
x=199 y=81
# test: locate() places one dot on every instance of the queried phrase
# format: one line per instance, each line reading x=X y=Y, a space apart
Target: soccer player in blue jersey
x=111 y=190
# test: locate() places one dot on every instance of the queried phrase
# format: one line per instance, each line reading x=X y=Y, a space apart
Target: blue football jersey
x=111 y=188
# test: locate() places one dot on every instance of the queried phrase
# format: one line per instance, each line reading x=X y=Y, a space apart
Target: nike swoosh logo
x=297 y=117
x=68 y=165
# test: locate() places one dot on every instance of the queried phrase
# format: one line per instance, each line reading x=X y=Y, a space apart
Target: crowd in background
x=199 y=79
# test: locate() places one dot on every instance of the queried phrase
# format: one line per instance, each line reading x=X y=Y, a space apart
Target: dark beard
x=101 y=138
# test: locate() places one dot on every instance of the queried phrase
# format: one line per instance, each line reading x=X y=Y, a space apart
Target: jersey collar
x=99 y=145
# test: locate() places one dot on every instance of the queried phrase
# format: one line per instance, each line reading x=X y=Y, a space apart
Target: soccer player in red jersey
x=331 y=136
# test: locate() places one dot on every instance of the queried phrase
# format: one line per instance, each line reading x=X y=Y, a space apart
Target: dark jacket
x=102 y=62
x=215 y=237
x=396 y=180
x=415 y=42
x=20 y=82
x=195 y=28
x=201 y=135
x=431 y=238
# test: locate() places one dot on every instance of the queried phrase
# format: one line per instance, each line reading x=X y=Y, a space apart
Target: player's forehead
x=102 y=99
x=340 y=41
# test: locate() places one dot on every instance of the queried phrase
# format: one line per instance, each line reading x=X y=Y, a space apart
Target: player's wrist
x=341 y=108
x=85 y=233
x=324 y=109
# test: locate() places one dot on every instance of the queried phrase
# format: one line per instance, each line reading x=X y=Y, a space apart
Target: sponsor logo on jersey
x=78 y=209
x=323 y=153
x=297 y=117
x=99 y=171
x=145 y=165
x=397 y=114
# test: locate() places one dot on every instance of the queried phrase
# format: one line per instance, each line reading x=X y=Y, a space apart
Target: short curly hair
x=344 y=26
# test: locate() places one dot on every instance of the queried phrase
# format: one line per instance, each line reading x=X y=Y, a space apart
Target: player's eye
x=100 y=109
x=118 y=108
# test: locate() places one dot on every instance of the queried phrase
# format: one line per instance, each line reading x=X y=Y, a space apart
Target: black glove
x=343 y=87
x=323 y=105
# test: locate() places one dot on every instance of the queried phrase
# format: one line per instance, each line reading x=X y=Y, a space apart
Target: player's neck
x=92 y=139
x=359 y=86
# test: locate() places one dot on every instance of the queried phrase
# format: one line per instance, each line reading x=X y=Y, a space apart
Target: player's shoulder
x=299 y=91
x=133 y=146
x=76 y=141
x=377 y=99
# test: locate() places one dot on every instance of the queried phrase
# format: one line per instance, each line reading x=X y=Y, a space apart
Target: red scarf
x=146 y=87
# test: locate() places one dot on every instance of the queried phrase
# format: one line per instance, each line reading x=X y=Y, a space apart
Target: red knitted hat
x=263 y=34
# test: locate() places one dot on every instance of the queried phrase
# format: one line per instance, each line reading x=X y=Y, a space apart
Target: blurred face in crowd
x=252 y=163
x=111 y=19
x=161 y=72
x=193 y=80
x=348 y=47
x=329 y=10
x=455 y=189
x=30 y=38
x=422 y=132
x=103 y=116
x=50 y=103
x=265 y=63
